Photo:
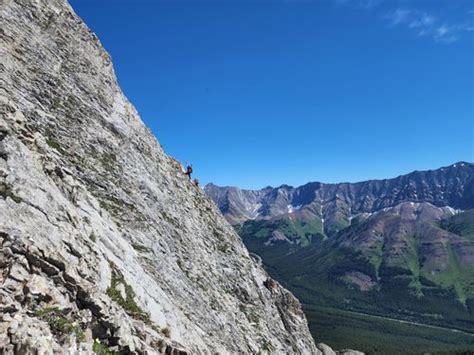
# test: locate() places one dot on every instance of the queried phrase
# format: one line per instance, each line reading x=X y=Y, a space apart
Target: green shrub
x=58 y=322
x=140 y=248
x=166 y=331
x=102 y=349
x=55 y=145
x=128 y=304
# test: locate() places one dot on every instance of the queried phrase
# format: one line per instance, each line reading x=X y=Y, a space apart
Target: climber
x=196 y=182
x=189 y=171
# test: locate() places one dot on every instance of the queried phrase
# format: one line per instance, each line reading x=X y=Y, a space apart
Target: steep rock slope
x=101 y=235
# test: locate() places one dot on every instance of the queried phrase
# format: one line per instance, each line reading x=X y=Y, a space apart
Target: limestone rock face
x=104 y=243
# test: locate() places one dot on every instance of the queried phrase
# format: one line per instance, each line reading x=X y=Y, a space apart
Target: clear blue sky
x=267 y=92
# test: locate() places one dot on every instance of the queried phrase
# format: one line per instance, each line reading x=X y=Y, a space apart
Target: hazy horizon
x=340 y=182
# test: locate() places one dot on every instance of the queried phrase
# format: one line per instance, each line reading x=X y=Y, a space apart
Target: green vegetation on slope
x=298 y=232
x=60 y=322
x=128 y=302
x=460 y=224
x=408 y=288
x=457 y=277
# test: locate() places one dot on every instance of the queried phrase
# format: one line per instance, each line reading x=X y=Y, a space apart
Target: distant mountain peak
x=448 y=186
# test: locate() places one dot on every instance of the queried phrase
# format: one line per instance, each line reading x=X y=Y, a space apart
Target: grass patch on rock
x=166 y=331
x=128 y=302
x=102 y=349
x=59 y=323
x=55 y=145
x=140 y=248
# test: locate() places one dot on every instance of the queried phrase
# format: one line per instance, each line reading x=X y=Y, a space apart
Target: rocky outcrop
x=104 y=244
x=326 y=350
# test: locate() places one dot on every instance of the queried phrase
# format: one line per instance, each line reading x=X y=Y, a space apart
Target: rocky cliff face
x=101 y=235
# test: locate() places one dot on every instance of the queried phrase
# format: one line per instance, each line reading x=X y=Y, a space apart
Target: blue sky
x=266 y=92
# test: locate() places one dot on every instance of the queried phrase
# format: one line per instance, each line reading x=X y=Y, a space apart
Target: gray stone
x=93 y=199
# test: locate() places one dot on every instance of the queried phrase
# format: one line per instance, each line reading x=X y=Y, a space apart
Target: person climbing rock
x=189 y=171
x=196 y=182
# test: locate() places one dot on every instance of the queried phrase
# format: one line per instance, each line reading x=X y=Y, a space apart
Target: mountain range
x=337 y=203
x=401 y=247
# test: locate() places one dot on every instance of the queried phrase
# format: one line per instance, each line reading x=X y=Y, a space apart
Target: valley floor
x=387 y=336
x=411 y=323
